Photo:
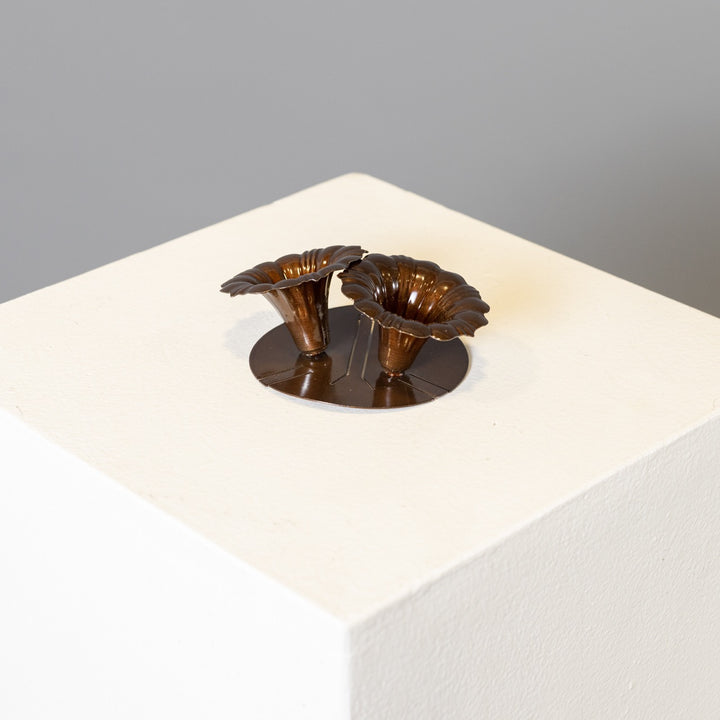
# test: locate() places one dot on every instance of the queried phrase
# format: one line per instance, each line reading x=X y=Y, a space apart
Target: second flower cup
x=411 y=300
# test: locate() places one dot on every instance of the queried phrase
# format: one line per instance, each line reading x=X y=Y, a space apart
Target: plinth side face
x=297 y=286
x=349 y=373
x=412 y=300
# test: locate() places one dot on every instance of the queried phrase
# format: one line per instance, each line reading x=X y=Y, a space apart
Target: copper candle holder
x=297 y=285
x=411 y=300
x=378 y=356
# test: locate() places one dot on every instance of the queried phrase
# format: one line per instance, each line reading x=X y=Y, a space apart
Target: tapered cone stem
x=397 y=350
x=304 y=308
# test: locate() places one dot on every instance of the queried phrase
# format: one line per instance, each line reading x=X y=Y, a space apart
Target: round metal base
x=348 y=372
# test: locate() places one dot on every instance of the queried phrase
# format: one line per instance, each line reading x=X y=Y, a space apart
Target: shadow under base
x=348 y=372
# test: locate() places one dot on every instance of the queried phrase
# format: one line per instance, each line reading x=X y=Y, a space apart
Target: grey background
x=591 y=128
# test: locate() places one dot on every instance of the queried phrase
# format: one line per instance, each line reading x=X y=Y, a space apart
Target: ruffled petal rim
x=414 y=297
x=293 y=269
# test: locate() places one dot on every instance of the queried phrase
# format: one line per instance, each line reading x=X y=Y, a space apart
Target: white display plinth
x=181 y=541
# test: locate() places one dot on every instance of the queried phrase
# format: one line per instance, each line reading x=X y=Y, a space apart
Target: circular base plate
x=348 y=372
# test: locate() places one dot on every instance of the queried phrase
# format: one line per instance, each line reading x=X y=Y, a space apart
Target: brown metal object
x=349 y=373
x=297 y=285
x=412 y=300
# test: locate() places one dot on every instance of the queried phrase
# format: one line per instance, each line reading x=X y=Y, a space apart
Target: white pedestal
x=180 y=541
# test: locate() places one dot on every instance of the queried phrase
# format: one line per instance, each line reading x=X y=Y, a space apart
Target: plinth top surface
x=141 y=369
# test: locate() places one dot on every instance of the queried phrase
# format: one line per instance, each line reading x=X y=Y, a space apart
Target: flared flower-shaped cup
x=297 y=285
x=412 y=300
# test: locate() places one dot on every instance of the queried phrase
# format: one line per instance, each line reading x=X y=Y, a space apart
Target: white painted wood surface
x=542 y=542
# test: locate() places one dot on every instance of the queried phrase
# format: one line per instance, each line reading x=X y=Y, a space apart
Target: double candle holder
x=374 y=353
